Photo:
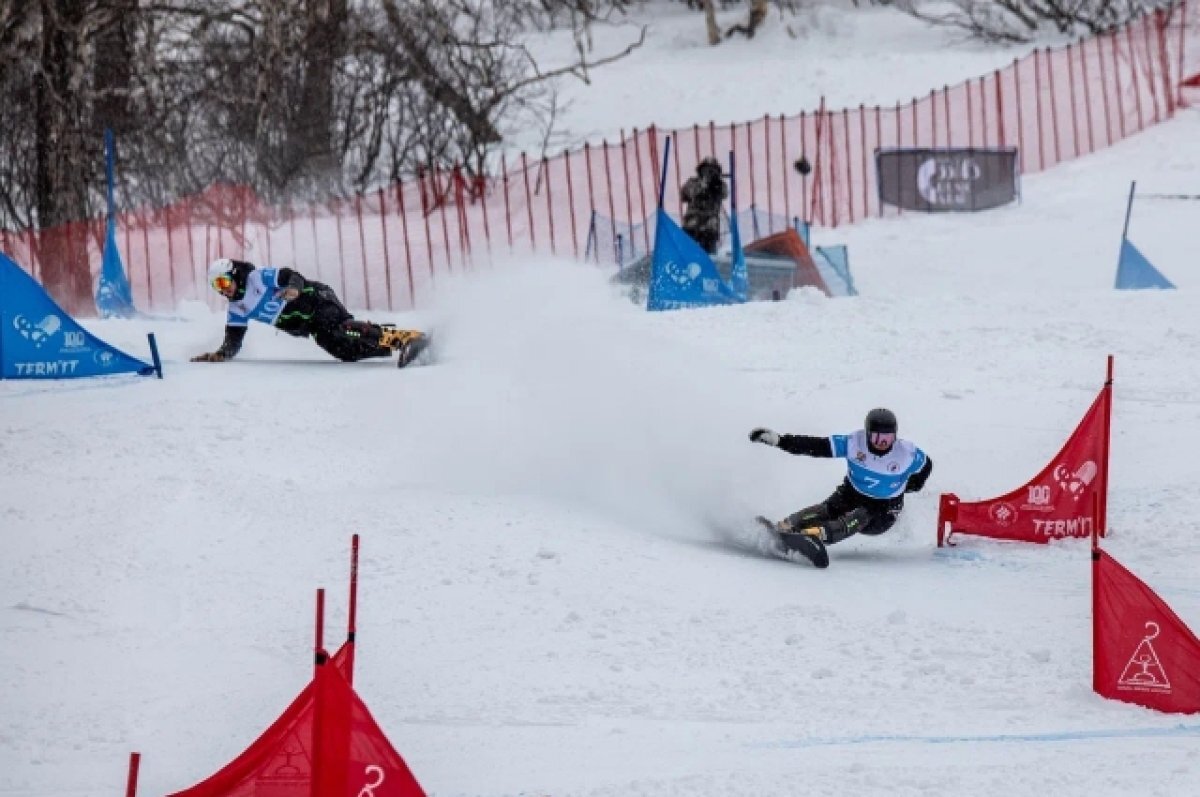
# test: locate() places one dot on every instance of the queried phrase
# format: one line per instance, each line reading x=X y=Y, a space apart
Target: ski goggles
x=223 y=283
x=882 y=439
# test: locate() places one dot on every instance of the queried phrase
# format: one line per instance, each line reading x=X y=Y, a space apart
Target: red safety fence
x=383 y=249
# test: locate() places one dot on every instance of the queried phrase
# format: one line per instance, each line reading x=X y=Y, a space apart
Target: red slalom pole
x=135 y=762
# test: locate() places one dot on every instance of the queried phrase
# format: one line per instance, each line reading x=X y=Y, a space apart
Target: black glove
x=764 y=436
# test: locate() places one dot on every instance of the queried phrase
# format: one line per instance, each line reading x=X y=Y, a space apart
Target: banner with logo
x=681 y=272
x=1143 y=653
x=946 y=180
x=1067 y=499
x=38 y=340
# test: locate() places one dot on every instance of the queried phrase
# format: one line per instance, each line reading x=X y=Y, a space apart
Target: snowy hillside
x=558 y=592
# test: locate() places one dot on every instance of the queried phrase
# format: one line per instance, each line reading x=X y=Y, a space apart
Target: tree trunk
x=62 y=169
x=113 y=69
x=710 y=20
x=313 y=125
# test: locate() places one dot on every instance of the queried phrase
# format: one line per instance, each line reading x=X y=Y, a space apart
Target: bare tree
x=1022 y=20
x=295 y=98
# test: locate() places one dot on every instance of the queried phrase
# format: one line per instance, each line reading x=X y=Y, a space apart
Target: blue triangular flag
x=114 y=298
x=681 y=272
x=39 y=340
x=1134 y=271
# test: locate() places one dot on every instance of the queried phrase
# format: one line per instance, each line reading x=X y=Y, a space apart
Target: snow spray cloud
x=553 y=385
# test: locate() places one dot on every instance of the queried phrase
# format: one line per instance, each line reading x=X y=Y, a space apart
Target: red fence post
x=879 y=143
x=545 y=166
x=783 y=154
x=443 y=200
x=641 y=183
x=1000 y=110
x=460 y=203
x=946 y=109
x=412 y=290
x=1183 y=17
x=1037 y=91
x=1145 y=23
x=625 y=174
x=1053 y=107
x=362 y=250
x=528 y=201
x=146 y=251
x=805 y=200
x=849 y=167
x=970 y=115
x=507 y=209
x=1087 y=94
x=425 y=212
x=482 y=182
x=387 y=259
x=170 y=253
x=1074 y=105
x=767 y=161
x=983 y=121
x=933 y=117
x=571 y=205
x=862 y=145
x=612 y=204
x=336 y=209
x=1137 y=92
x=1116 y=56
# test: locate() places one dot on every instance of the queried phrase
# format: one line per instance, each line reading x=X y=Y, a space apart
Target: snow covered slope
x=558 y=597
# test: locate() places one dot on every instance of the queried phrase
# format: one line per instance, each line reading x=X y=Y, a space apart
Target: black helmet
x=881 y=420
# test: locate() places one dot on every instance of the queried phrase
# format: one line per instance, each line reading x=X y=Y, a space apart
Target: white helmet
x=219 y=267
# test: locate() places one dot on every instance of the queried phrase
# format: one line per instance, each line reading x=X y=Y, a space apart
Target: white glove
x=765 y=436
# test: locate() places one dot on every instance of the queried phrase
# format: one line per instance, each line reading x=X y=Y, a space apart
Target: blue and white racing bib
x=877 y=476
x=259 y=302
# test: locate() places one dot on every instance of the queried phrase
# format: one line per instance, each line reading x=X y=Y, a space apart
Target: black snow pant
x=317 y=312
x=847 y=512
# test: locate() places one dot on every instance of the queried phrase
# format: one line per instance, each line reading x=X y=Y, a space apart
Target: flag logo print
x=1145 y=672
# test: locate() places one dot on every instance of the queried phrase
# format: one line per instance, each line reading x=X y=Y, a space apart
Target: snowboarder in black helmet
x=880 y=468
x=704 y=194
x=286 y=300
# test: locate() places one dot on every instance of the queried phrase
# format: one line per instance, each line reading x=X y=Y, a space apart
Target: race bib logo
x=39 y=333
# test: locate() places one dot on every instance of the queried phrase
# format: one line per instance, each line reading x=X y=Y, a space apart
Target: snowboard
x=415 y=351
x=787 y=545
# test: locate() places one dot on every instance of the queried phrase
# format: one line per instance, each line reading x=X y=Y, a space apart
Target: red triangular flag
x=1056 y=503
x=1142 y=652
x=326 y=744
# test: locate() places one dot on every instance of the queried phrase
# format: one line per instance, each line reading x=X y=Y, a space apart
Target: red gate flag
x=1141 y=651
x=325 y=744
x=1056 y=503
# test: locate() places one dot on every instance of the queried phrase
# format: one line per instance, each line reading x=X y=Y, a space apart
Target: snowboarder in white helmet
x=304 y=308
x=880 y=468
